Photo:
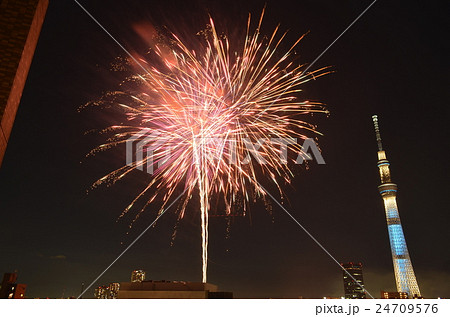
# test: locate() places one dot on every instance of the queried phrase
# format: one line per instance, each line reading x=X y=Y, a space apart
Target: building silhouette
x=107 y=292
x=353 y=287
x=10 y=289
x=20 y=25
x=141 y=288
x=101 y=292
x=170 y=290
x=393 y=295
x=404 y=273
x=137 y=276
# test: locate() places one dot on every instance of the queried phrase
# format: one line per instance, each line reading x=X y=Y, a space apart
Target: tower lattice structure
x=403 y=269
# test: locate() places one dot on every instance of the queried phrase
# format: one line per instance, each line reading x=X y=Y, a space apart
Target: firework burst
x=205 y=112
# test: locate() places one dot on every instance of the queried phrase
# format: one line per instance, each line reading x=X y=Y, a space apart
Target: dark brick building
x=20 y=25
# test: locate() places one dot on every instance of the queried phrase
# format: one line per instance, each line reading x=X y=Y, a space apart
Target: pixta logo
x=148 y=150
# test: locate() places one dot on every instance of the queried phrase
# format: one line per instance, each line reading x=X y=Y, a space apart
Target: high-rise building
x=353 y=287
x=137 y=276
x=20 y=25
x=403 y=269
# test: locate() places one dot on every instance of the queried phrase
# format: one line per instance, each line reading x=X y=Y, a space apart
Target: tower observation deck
x=403 y=269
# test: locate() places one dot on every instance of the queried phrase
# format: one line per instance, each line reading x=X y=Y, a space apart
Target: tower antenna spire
x=377 y=132
x=403 y=269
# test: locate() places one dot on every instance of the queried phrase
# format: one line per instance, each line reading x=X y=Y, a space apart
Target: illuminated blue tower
x=403 y=269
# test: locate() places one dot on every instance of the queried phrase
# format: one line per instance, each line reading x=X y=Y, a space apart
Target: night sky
x=393 y=62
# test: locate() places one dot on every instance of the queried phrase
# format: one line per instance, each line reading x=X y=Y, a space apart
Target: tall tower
x=404 y=272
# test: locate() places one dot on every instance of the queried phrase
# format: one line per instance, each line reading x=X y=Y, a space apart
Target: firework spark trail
x=207 y=106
